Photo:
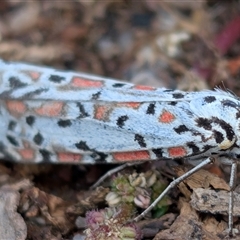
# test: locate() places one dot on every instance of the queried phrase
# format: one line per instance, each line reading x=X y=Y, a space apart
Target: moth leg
x=232 y=182
x=114 y=170
x=173 y=184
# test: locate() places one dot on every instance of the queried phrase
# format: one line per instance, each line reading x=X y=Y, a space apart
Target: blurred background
x=189 y=45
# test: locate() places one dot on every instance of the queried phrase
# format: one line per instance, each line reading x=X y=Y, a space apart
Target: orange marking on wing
x=142 y=87
x=85 y=83
x=69 y=157
x=175 y=152
x=129 y=104
x=131 y=156
x=51 y=109
x=27 y=153
x=101 y=112
x=33 y=74
x=15 y=107
x=166 y=117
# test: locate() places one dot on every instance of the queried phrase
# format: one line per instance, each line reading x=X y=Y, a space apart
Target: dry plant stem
x=232 y=182
x=114 y=170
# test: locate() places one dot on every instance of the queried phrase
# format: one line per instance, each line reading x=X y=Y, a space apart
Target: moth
x=49 y=115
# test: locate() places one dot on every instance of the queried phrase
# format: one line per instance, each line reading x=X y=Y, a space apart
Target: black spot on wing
x=56 y=78
x=12 y=125
x=158 y=152
x=181 y=129
x=207 y=147
x=30 y=120
x=121 y=120
x=195 y=149
x=168 y=90
x=178 y=95
x=118 y=85
x=99 y=156
x=238 y=115
x=34 y=93
x=140 y=140
x=204 y=123
x=46 y=155
x=82 y=145
x=151 y=109
x=38 y=139
x=64 y=123
x=226 y=127
x=209 y=99
x=173 y=103
x=82 y=111
x=96 y=96
x=207 y=124
x=12 y=140
x=229 y=103
x=16 y=83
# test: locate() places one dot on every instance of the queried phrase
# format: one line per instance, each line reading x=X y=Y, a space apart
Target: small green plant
x=110 y=224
